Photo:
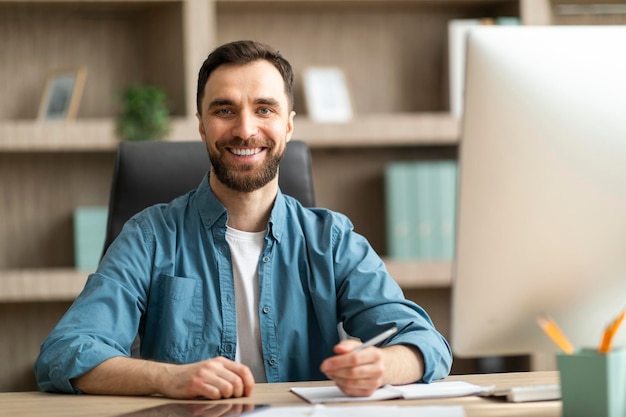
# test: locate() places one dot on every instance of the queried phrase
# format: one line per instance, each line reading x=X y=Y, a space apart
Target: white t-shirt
x=245 y=249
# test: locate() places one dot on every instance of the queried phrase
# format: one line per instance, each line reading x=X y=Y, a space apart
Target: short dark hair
x=240 y=53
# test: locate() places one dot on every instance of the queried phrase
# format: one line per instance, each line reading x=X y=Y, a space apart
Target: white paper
x=333 y=394
x=443 y=389
x=362 y=411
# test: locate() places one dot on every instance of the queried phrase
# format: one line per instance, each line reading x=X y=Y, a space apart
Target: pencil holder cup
x=593 y=384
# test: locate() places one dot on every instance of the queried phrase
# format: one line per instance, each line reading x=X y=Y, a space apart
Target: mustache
x=249 y=143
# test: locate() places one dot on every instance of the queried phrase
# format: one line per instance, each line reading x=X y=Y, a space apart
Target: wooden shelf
x=364 y=131
x=418 y=275
x=64 y=284
x=355 y=3
x=381 y=130
x=49 y=284
x=82 y=135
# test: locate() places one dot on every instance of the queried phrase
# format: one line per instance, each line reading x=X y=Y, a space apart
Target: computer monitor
x=542 y=189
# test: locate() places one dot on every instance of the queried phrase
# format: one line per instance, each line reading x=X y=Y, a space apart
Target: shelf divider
x=375 y=130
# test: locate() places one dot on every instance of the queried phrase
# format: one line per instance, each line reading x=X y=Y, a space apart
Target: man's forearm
x=213 y=378
x=403 y=364
x=123 y=376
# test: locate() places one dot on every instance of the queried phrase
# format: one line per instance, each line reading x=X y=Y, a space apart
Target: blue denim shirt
x=169 y=275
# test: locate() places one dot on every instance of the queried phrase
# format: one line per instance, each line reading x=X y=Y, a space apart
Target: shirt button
x=229 y=348
x=272 y=361
x=266 y=259
x=266 y=309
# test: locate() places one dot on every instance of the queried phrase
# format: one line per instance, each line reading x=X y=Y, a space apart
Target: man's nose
x=246 y=126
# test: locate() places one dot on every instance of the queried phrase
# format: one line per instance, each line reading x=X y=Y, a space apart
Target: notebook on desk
x=444 y=389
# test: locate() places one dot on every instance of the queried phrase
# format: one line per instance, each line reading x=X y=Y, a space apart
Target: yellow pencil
x=555 y=334
x=609 y=333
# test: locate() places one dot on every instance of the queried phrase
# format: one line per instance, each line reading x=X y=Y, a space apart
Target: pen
x=406 y=326
x=555 y=334
x=609 y=333
x=377 y=339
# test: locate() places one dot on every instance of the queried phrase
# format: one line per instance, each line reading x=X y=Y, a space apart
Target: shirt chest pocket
x=174 y=318
x=177 y=288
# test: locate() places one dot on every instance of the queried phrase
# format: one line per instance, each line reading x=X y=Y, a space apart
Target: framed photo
x=327 y=95
x=62 y=94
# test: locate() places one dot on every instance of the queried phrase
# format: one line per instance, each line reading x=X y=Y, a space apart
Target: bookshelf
x=164 y=42
x=392 y=51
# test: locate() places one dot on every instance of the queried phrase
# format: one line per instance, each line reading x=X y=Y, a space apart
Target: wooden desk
x=31 y=404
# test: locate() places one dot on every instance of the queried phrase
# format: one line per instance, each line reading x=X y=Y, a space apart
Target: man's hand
x=357 y=374
x=360 y=373
x=212 y=378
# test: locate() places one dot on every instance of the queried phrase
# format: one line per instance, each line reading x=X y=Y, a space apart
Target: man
x=235 y=282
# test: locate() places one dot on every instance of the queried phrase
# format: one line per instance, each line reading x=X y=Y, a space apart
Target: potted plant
x=144 y=115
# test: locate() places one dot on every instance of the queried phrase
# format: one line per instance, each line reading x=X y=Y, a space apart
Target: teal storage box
x=89 y=231
x=593 y=384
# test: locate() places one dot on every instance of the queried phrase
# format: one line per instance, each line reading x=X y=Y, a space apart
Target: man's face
x=245 y=124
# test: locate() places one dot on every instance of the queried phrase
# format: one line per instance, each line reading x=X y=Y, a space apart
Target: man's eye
x=265 y=110
x=223 y=112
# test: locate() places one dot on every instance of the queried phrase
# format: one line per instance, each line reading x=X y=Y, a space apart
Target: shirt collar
x=212 y=212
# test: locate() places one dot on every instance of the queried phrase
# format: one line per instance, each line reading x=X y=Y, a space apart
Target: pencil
x=555 y=334
x=609 y=333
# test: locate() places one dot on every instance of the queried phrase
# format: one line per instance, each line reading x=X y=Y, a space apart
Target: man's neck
x=248 y=212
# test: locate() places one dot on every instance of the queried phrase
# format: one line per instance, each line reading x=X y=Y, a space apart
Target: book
x=441 y=389
x=447 y=196
x=400 y=243
x=426 y=208
x=89 y=233
x=421 y=198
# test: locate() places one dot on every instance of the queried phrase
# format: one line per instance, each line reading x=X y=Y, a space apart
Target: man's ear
x=290 y=125
x=201 y=127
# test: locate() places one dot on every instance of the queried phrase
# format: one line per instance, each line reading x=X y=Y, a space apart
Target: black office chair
x=153 y=172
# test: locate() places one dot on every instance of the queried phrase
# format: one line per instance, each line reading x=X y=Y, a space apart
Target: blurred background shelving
x=394 y=55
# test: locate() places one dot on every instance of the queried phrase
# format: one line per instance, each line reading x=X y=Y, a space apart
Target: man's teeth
x=246 y=152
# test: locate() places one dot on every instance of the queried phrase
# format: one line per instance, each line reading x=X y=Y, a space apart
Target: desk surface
x=39 y=404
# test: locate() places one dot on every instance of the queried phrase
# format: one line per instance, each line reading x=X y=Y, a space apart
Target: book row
x=421 y=200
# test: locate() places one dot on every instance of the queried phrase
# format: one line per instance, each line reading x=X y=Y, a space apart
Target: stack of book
x=421 y=200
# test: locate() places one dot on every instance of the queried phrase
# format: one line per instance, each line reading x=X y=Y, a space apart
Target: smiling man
x=236 y=283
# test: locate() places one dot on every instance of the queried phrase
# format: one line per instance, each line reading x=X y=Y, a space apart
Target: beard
x=248 y=177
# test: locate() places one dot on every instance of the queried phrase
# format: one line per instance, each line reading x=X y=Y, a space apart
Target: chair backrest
x=152 y=172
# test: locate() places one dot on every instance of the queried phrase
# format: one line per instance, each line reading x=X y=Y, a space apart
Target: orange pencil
x=609 y=333
x=555 y=334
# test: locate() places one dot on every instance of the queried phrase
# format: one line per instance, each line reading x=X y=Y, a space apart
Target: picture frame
x=327 y=95
x=62 y=94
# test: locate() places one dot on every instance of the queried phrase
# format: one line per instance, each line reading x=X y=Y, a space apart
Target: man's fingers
x=231 y=379
x=245 y=379
x=350 y=360
x=357 y=374
x=358 y=387
x=346 y=346
x=358 y=391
